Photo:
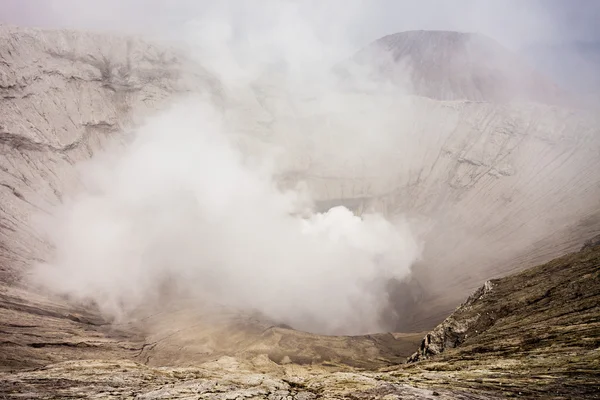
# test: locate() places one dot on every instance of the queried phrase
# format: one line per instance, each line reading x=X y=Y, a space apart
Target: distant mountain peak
x=447 y=65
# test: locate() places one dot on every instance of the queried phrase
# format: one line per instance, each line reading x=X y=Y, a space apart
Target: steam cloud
x=185 y=206
x=181 y=204
x=198 y=203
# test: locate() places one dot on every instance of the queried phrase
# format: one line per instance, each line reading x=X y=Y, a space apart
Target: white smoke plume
x=185 y=205
x=180 y=204
x=200 y=200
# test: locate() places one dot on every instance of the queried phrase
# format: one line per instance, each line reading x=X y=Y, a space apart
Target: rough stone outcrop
x=226 y=378
x=551 y=310
x=456 y=328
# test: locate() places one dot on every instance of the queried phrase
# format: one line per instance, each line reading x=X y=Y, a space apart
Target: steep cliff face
x=492 y=161
x=563 y=291
x=492 y=187
x=66 y=95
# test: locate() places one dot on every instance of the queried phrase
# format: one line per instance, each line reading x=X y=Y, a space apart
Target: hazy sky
x=514 y=22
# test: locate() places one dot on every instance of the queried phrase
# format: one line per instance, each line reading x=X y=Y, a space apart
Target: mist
x=196 y=206
x=179 y=204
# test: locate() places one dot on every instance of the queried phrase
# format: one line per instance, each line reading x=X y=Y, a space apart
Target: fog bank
x=181 y=206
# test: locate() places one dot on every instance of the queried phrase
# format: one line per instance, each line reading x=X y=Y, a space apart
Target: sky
x=515 y=23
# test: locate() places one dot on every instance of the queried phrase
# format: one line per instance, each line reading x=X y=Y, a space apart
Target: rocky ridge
x=537 y=331
x=531 y=334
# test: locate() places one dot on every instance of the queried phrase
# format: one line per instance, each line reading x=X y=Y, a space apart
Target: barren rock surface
x=530 y=335
x=534 y=334
x=223 y=379
x=37 y=330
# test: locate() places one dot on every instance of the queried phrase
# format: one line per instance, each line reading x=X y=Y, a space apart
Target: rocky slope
x=555 y=303
x=530 y=335
x=493 y=188
x=37 y=330
x=536 y=333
